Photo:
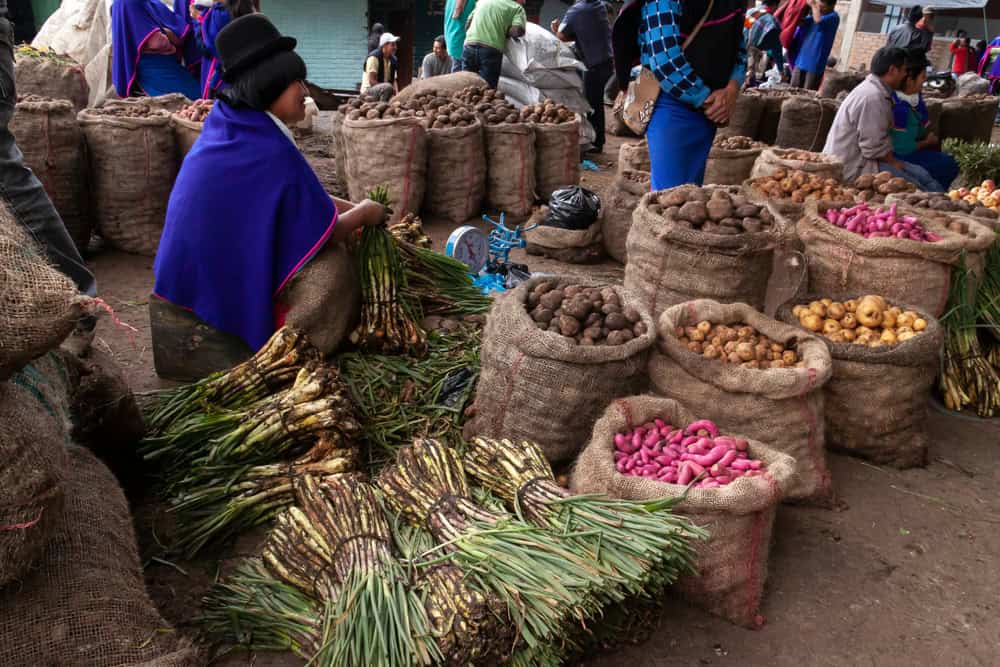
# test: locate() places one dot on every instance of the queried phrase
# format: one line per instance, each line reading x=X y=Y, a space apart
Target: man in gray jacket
x=860 y=137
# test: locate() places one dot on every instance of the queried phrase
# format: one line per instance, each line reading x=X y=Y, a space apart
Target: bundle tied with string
x=805 y=122
x=670 y=263
x=782 y=407
x=133 y=163
x=39 y=306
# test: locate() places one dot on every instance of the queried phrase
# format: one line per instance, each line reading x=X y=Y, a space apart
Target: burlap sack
x=133 y=162
x=971 y=83
x=171 y=102
x=772 y=159
x=85 y=604
x=616 y=121
x=186 y=132
x=732 y=563
x=50 y=139
x=836 y=82
x=34 y=432
x=390 y=152
x=968 y=118
x=730 y=167
x=634 y=156
x=573 y=246
x=324 y=298
x=900 y=270
x=444 y=86
x=876 y=401
x=669 y=264
x=510 y=168
x=805 y=122
x=456 y=172
x=39 y=306
x=557 y=157
x=626 y=191
x=338 y=150
x=57 y=78
x=782 y=407
x=934 y=109
x=746 y=117
x=539 y=386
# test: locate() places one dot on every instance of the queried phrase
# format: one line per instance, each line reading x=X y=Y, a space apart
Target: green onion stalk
x=251 y=610
x=469 y=626
x=544 y=584
x=336 y=546
x=231 y=499
x=387 y=320
x=967 y=378
x=401 y=398
x=640 y=547
x=988 y=298
x=440 y=284
x=268 y=431
x=271 y=369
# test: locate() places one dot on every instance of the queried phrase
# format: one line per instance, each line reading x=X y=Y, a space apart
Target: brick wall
x=867 y=43
x=332 y=37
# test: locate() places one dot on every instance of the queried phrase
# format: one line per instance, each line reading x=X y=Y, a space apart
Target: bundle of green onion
x=401 y=398
x=229 y=499
x=469 y=626
x=337 y=548
x=263 y=432
x=387 y=320
x=440 y=284
x=251 y=610
x=411 y=230
x=967 y=377
x=988 y=299
x=272 y=368
x=640 y=547
x=544 y=584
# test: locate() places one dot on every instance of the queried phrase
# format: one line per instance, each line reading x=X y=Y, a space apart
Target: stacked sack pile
x=71 y=583
x=512 y=156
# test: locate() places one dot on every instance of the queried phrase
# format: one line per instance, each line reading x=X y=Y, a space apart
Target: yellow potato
x=919 y=324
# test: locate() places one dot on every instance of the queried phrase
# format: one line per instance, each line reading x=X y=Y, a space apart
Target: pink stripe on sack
x=309 y=255
x=138 y=55
x=26 y=524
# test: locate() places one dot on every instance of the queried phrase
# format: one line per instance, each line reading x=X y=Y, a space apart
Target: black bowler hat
x=248 y=41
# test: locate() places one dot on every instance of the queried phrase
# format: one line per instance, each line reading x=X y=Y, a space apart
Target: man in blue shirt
x=815 y=41
x=586 y=23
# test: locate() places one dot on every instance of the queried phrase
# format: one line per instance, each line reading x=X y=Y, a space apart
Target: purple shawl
x=213 y=21
x=132 y=23
x=246 y=213
x=189 y=47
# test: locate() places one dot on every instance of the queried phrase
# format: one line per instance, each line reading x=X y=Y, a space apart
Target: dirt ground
x=903 y=574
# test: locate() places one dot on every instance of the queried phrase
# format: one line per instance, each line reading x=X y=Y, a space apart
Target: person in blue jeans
x=699 y=84
x=911 y=141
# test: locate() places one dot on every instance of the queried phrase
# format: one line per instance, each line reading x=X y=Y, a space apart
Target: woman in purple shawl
x=146 y=40
x=208 y=22
x=247 y=212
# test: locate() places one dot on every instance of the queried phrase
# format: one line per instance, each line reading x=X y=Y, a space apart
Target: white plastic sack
x=971 y=83
x=81 y=29
x=540 y=49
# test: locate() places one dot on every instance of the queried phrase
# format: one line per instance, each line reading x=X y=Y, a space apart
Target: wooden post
x=849 y=27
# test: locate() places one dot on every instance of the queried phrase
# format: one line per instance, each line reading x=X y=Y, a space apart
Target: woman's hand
x=372 y=213
x=719 y=105
x=193 y=11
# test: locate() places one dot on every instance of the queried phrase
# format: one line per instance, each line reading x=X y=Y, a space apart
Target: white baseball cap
x=387 y=38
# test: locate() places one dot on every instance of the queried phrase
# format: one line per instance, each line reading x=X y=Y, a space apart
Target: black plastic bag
x=573 y=208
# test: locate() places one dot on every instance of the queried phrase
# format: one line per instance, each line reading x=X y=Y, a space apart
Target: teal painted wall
x=332 y=36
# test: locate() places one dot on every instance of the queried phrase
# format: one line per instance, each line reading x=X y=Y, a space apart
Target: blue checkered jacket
x=660 y=44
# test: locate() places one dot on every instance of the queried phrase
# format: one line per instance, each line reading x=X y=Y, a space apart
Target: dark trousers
x=484 y=61
x=807 y=80
x=22 y=190
x=594 y=80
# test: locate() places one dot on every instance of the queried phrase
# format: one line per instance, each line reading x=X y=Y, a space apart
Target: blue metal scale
x=488 y=257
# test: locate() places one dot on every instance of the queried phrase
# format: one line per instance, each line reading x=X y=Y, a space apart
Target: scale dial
x=469 y=246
